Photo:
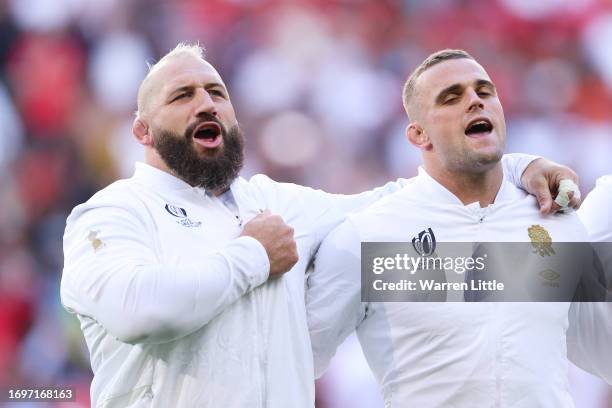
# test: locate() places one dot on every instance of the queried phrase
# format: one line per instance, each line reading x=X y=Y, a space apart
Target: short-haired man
x=189 y=280
x=449 y=354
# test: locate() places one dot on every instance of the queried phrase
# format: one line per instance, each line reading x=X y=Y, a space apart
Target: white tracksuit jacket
x=459 y=355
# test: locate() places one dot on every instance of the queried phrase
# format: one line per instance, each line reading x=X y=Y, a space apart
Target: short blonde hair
x=433 y=59
x=193 y=49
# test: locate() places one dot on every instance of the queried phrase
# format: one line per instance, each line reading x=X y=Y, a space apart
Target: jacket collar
x=160 y=180
x=432 y=191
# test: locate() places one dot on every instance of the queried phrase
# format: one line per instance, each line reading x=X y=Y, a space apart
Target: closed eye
x=486 y=90
x=451 y=99
x=181 y=96
x=217 y=92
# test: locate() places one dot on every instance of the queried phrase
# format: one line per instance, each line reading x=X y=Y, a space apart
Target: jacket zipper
x=258 y=306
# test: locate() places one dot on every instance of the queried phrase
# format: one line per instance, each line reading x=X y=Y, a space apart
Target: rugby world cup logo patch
x=181 y=214
x=176 y=211
x=424 y=243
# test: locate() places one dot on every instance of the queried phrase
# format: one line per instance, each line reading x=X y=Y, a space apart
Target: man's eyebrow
x=183 y=88
x=214 y=85
x=453 y=89
x=485 y=82
x=191 y=87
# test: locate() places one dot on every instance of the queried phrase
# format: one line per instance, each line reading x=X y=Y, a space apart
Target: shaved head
x=149 y=86
x=186 y=121
x=410 y=94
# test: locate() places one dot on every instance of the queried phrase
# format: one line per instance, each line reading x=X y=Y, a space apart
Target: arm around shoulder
x=514 y=165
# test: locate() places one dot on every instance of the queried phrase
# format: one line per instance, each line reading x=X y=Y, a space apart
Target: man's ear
x=142 y=132
x=416 y=135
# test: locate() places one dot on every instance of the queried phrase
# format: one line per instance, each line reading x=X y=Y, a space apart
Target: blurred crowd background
x=317 y=88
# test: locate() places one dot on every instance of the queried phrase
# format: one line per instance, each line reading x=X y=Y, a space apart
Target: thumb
x=544 y=200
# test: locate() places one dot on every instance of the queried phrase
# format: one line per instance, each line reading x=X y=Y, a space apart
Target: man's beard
x=214 y=171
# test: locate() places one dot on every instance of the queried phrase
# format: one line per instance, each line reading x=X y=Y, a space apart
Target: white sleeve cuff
x=250 y=258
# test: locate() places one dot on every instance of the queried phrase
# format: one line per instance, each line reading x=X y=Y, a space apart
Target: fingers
x=567 y=173
x=547 y=205
x=538 y=186
x=568 y=194
x=553 y=209
x=544 y=178
x=570 y=179
x=575 y=201
x=277 y=238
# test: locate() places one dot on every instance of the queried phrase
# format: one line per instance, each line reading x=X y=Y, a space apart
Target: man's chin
x=487 y=160
x=479 y=161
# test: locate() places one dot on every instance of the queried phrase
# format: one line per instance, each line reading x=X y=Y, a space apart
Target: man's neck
x=469 y=187
x=219 y=191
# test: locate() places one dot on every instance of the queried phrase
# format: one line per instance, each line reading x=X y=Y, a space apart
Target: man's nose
x=475 y=101
x=204 y=103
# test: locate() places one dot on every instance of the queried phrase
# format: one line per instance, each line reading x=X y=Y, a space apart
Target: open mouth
x=479 y=126
x=208 y=135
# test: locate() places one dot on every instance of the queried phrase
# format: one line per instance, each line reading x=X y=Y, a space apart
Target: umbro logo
x=181 y=214
x=424 y=243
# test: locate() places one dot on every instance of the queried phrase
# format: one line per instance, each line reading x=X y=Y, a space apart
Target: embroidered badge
x=540 y=240
x=181 y=214
x=424 y=243
x=176 y=211
x=96 y=242
x=551 y=278
x=186 y=222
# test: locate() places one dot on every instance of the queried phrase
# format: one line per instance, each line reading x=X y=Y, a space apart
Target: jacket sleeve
x=113 y=275
x=319 y=211
x=514 y=165
x=590 y=324
x=595 y=211
x=333 y=294
x=589 y=336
